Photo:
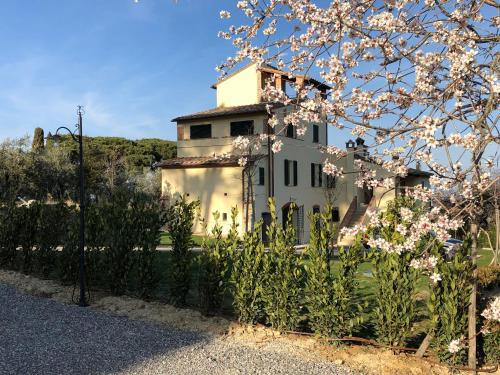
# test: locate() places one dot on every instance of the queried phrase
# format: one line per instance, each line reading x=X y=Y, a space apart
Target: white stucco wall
x=221 y=141
x=242 y=88
x=217 y=189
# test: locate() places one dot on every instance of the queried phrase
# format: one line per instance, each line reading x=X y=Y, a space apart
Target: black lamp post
x=79 y=139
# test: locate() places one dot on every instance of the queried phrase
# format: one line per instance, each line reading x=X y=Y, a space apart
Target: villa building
x=208 y=167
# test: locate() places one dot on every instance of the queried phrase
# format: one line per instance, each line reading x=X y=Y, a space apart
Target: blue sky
x=133 y=66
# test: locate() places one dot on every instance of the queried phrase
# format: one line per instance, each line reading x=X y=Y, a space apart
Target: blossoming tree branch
x=417 y=79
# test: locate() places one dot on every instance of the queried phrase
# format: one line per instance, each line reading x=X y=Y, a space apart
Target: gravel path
x=42 y=336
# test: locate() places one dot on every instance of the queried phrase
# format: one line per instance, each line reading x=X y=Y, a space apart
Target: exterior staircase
x=354 y=216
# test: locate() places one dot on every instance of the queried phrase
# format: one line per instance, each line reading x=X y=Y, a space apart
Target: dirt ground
x=367 y=359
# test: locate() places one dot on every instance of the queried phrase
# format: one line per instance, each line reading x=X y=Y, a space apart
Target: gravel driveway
x=42 y=336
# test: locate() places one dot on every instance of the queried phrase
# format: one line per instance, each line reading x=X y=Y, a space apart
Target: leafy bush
x=180 y=217
x=148 y=218
x=491 y=345
x=118 y=239
x=329 y=296
x=449 y=299
x=215 y=264
x=395 y=279
x=51 y=228
x=28 y=216
x=282 y=275
x=9 y=235
x=247 y=277
x=488 y=277
x=67 y=264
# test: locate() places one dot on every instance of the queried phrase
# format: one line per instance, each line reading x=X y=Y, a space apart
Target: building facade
x=208 y=167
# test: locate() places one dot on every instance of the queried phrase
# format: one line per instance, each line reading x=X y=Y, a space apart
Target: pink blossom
x=276 y=147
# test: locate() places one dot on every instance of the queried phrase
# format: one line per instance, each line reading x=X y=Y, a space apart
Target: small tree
x=394 y=276
x=329 y=294
x=180 y=218
x=247 y=277
x=449 y=298
x=215 y=264
x=51 y=227
x=282 y=274
x=149 y=218
x=10 y=221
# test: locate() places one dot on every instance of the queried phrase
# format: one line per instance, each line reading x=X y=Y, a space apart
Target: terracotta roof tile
x=202 y=162
x=226 y=111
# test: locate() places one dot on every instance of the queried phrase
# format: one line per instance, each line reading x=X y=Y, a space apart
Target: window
x=200 y=131
x=224 y=216
x=315 y=133
x=290 y=131
x=335 y=215
x=261 y=176
x=316 y=175
x=294 y=166
x=241 y=128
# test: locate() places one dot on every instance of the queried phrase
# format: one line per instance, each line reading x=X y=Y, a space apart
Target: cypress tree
x=38 y=140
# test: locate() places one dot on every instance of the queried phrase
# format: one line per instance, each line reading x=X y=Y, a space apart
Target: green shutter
x=287 y=173
x=295 y=171
x=313 y=175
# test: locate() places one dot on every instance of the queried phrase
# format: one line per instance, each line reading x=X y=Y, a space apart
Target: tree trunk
x=497 y=232
x=252 y=214
x=424 y=346
x=473 y=300
x=245 y=199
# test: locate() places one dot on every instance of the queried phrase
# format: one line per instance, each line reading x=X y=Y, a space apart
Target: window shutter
x=287 y=173
x=261 y=176
x=320 y=175
x=313 y=174
x=315 y=133
x=295 y=171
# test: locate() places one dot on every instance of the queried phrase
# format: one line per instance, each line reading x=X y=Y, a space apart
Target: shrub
x=180 y=217
x=148 y=218
x=329 y=296
x=215 y=264
x=491 y=345
x=51 y=229
x=449 y=299
x=282 y=275
x=119 y=236
x=395 y=279
x=9 y=235
x=28 y=216
x=247 y=277
x=67 y=264
x=489 y=277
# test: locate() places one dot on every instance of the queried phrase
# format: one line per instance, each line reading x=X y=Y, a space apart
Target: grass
x=166 y=240
x=366 y=283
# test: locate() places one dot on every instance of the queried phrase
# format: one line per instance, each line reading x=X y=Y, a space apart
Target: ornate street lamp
x=77 y=136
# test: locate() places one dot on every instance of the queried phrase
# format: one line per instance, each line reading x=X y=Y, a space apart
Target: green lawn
x=365 y=291
x=166 y=240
